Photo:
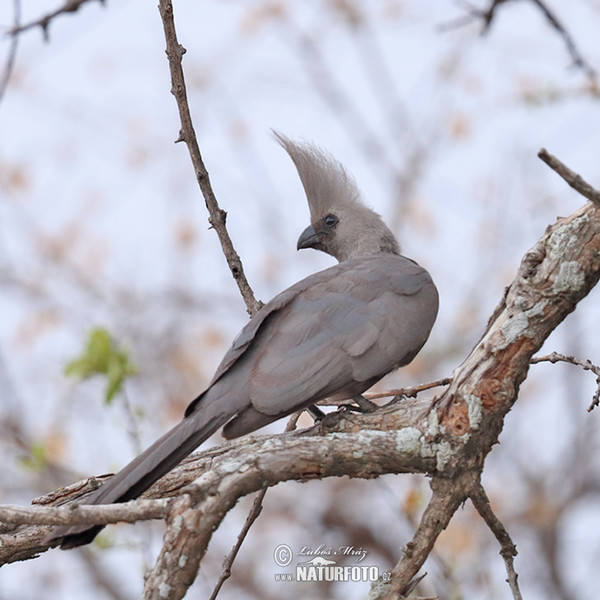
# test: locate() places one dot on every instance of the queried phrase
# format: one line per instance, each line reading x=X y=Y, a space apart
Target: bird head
x=340 y=224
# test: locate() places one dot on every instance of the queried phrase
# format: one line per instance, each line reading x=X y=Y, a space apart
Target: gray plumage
x=331 y=335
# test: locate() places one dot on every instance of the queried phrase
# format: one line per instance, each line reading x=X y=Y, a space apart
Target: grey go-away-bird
x=331 y=335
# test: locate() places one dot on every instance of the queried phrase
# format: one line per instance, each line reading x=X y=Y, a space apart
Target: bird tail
x=136 y=477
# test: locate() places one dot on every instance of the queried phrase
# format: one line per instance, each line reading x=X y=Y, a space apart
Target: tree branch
x=257 y=506
x=508 y=550
x=217 y=216
x=576 y=56
x=488 y=15
x=573 y=179
x=70 y=6
x=12 y=51
x=586 y=365
x=447 y=496
x=99 y=514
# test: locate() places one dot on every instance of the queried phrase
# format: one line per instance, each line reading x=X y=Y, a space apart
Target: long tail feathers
x=136 y=477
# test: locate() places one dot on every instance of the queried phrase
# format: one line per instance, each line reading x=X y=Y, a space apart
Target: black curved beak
x=309 y=238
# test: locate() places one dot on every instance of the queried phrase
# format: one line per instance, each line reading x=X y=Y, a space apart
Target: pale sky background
x=88 y=167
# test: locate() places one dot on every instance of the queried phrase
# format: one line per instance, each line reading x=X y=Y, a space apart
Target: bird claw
x=363 y=405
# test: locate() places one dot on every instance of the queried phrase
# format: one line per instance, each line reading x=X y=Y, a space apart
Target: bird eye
x=330 y=221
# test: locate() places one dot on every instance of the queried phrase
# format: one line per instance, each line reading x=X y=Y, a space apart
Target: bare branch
x=576 y=56
x=487 y=17
x=508 y=550
x=254 y=513
x=12 y=51
x=573 y=179
x=217 y=216
x=70 y=6
x=447 y=496
x=409 y=392
x=73 y=514
x=586 y=365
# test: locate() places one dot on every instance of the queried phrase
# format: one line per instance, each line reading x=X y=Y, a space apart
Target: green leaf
x=102 y=356
x=37 y=459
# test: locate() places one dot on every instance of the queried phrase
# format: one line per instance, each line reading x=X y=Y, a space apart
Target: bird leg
x=316 y=413
x=364 y=405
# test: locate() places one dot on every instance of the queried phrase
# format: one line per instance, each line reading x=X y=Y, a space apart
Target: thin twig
x=487 y=17
x=586 y=365
x=12 y=51
x=133 y=429
x=578 y=59
x=254 y=513
x=217 y=216
x=508 y=550
x=575 y=180
x=473 y=13
x=409 y=392
x=70 y=6
x=447 y=496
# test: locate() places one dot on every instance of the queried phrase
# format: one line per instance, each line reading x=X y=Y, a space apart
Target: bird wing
x=348 y=328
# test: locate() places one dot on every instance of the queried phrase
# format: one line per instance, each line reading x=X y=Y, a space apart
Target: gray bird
x=331 y=335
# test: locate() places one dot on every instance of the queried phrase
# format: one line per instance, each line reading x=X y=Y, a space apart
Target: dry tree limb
x=487 y=16
x=257 y=506
x=447 y=496
x=409 y=392
x=576 y=56
x=73 y=514
x=70 y=6
x=217 y=216
x=586 y=365
x=508 y=550
x=12 y=51
x=573 y=179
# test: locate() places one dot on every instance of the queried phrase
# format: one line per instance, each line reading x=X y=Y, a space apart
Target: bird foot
x=316 y=413
x=363 y=405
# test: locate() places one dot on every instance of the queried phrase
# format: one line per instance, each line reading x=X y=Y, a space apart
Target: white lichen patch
x=177 y=522
x=232 y=465
x=570 y=276
x=164 y=590
x=513 y=328
x=182 y=561
x=563 y=238
x=433 y=424
x=443 y=454
x=408 y=440
x=475 y=410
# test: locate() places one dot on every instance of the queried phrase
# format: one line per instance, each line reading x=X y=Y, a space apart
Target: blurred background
x=102 y=226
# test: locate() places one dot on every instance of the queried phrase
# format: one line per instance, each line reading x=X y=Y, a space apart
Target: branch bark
x=217 y=216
